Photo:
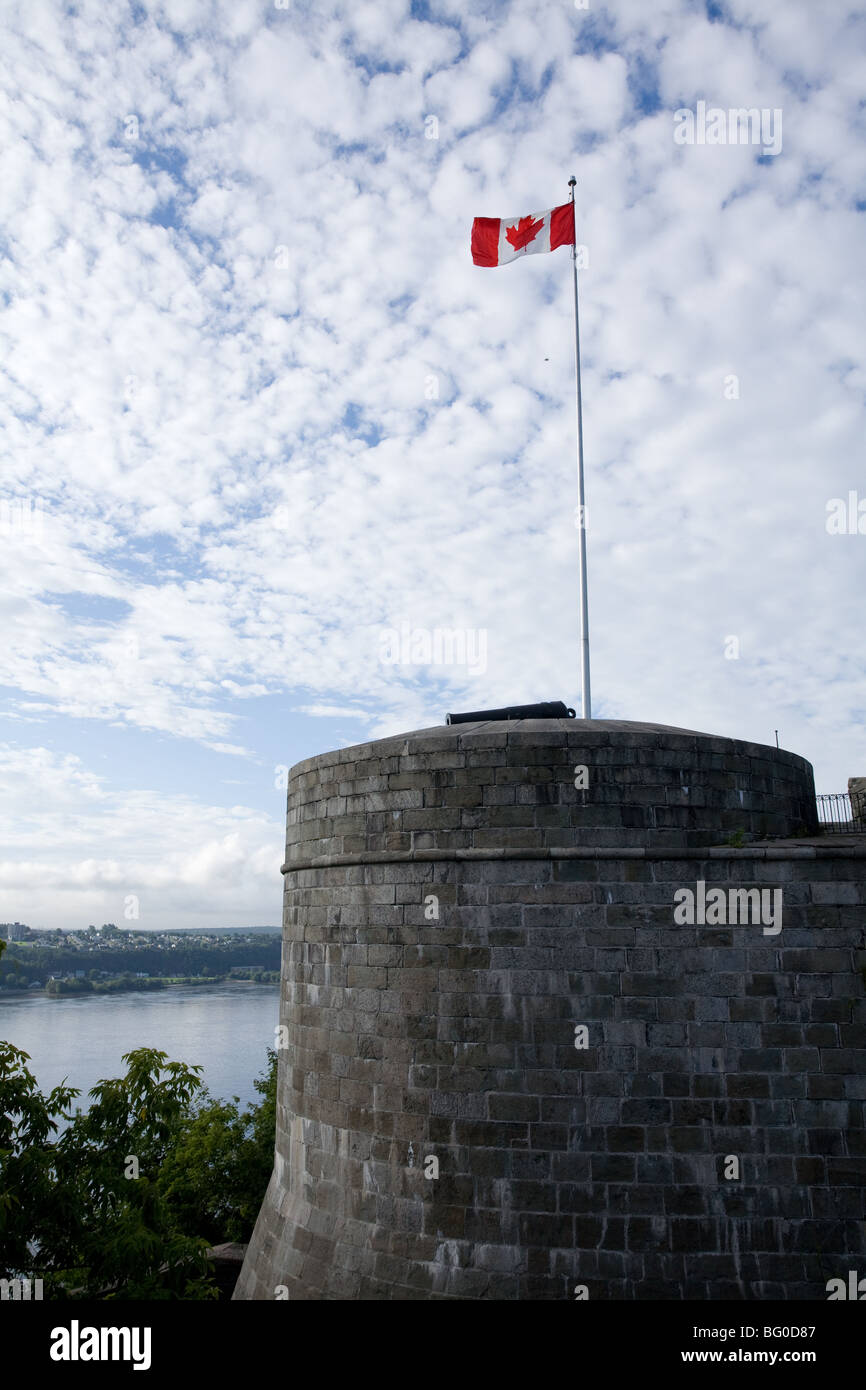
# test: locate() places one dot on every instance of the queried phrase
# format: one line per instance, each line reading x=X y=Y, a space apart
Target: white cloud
x=184 y=863
x=241 y=451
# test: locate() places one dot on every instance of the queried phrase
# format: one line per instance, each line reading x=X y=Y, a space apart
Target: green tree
x=215 y=1176
x=124 y=1202
x=93 y=1230
x=30 y=1205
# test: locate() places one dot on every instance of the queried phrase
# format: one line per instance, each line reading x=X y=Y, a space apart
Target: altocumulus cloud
x=268 y=407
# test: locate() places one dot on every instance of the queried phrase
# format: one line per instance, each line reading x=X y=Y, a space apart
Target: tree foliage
x=215 y=1176
x=124 y=1200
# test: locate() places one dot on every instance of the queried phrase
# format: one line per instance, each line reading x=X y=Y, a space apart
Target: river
x=225 y=1028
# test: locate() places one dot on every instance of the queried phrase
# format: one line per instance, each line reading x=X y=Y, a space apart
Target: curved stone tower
x=512 y=1073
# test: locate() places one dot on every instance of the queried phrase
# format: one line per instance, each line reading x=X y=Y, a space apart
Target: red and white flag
x=498 y=240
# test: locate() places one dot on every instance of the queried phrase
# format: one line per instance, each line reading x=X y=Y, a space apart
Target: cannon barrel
x=545 y=709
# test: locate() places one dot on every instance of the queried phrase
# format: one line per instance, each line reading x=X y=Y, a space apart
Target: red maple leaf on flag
x=525 y=231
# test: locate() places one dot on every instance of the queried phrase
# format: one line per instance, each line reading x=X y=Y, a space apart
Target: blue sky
x=259 y=407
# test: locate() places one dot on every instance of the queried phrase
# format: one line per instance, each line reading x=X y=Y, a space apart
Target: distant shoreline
x=139 y=987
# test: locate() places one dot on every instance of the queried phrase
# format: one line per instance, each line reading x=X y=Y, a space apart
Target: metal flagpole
x=585 y=706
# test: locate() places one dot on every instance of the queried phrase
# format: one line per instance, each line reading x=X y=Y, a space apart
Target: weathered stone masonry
x=560 y=1166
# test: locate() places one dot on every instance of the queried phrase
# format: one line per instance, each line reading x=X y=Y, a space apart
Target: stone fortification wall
x=511 y=1072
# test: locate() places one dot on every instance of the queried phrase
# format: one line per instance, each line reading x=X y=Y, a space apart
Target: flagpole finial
x=572 y=182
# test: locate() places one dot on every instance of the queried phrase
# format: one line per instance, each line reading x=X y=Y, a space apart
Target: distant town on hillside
x=108 y=958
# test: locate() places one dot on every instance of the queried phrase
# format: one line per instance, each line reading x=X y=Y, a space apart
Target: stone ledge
x=669 y=852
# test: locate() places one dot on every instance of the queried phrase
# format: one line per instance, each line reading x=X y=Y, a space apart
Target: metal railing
x=841 y=813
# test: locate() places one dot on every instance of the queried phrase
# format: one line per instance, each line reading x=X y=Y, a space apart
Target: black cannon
x=545 y=709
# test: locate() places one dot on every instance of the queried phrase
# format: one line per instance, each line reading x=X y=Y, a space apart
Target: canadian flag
x=498 y=240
